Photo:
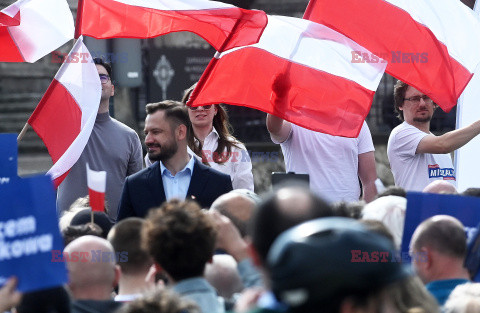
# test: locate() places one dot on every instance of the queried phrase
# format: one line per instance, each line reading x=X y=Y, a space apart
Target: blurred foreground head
x=313 y=267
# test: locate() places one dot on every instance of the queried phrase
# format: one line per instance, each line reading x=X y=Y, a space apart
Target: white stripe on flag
x=96 y=180
x=83 y=83
x=176 y=5
x=44 y=26
x=315 y=49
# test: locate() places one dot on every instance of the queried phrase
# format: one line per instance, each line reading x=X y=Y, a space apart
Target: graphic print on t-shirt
x=435 y=171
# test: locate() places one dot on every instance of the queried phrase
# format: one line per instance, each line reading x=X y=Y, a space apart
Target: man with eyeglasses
x=113 y=147
x=418 y=157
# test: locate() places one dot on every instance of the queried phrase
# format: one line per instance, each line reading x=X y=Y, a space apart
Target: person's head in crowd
x=390 y=210
x=442 y=242
x=206 y=117
x=96 y=272
x=285 y=207
x=160 y=301
x=411 y=296
x=440 y=187
x=133 y=259
x=238 y=205
x=393 y=191
x=52 y=300
x=99 y=218
x=349 y=209
x=71 y=233
x=312 y=268
x=180 y=237
x=378 y=227
x=166 y=130
x=108 y=89
x=223 y=275
x=464 y=299
x=79 y=205
x=471 y=192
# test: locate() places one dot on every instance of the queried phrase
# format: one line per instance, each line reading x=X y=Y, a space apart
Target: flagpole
x=22 y=133
x=211 y=65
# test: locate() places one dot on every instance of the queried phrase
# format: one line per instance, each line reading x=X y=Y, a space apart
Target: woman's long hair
x=225 y=138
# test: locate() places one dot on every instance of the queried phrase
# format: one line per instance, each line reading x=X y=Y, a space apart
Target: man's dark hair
x=180 y=237
x=272 y=217
x=348 y=209
x=471 y=192
x=447 y=236
x=125 y=237
x=73 y=232
x=52 y=300
x=106 y=65
x=392 y=191
x=159 y=301
x=175 y=112
x=399 y=91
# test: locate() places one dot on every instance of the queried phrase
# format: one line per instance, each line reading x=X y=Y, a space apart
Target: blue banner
x=8 y=156
x=28 y=229
x=421 y=206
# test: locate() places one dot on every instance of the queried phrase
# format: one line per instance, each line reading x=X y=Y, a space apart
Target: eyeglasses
x=104 y=78
x=416 y=99
x=205 y=107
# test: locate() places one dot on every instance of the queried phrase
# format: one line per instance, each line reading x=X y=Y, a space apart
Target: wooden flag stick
x=22 y=133
x=91 y=216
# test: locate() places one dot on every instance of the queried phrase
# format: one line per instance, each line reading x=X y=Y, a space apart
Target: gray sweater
x=113 y=147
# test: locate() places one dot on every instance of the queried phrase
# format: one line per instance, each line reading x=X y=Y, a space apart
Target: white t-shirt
x=331 y=161
x=412 y=171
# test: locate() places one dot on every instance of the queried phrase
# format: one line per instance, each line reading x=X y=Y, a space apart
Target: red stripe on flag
x=103 y=19
x=300 y=94
x=57 y=120
x=391 y=33
x=97 y=200
x=57 y=181
x=8 y=49
x=6 y=20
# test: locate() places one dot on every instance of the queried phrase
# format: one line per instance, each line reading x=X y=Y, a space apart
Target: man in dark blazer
x=177 y=174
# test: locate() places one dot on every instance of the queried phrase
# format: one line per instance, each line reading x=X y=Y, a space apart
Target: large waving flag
x=300 y=71
x=65 y=116
x=433 y=45
x=211 y=20
x=30 y=29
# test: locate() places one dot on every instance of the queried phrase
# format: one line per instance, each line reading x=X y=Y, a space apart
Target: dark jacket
x=144 y=190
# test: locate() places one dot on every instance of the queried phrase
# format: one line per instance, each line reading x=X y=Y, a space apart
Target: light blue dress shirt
x=177 y=186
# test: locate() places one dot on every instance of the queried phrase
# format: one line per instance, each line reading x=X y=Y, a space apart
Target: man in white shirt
x=334 y=164
x=418 y=157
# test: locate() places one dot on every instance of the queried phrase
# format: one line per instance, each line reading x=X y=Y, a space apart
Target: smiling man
x=418 y=157
x=178 y=174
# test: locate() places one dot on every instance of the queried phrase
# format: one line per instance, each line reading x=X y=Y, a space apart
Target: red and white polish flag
x=300 y=71
x=213 y=21
x=65 y=116
x=97 y=183
x=433 y=45
x=30 y=29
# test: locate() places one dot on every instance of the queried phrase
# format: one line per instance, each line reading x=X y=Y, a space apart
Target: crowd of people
x=188 y=234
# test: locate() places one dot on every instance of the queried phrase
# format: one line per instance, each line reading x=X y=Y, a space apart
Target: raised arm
x=368 y=174
x=450 y=141
x=278 y=128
